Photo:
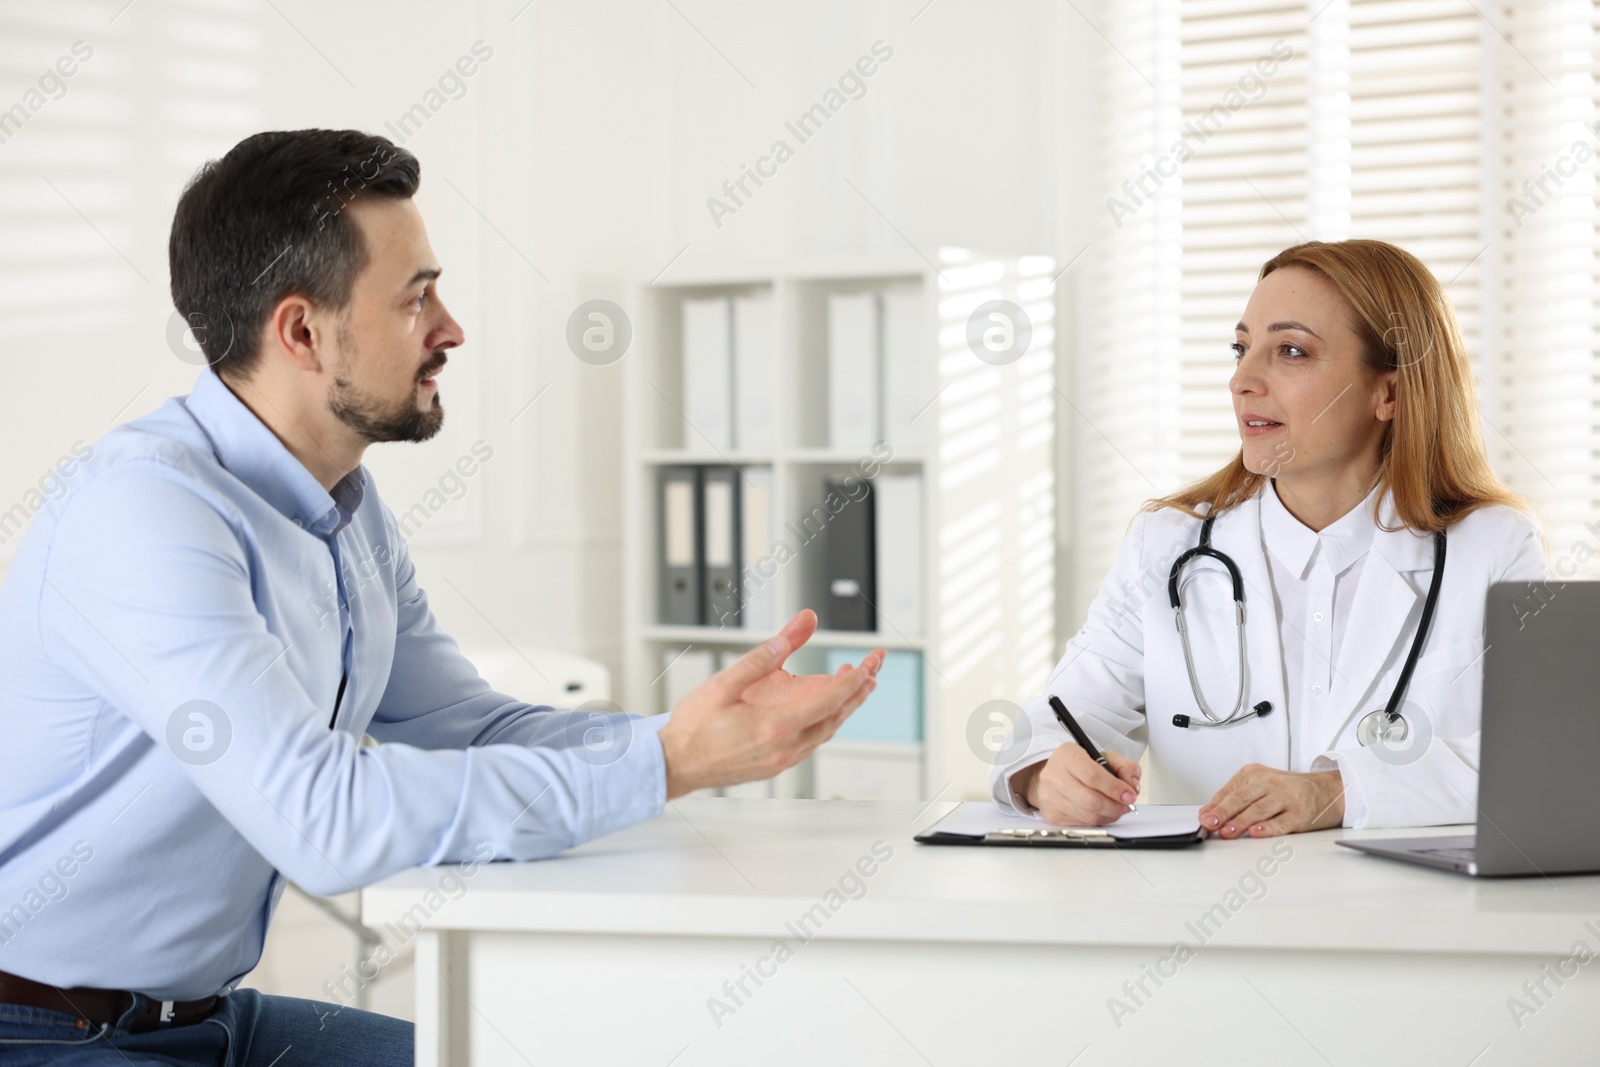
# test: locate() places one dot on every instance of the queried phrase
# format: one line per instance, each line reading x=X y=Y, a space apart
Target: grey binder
x=682 y=546
x=719 y=509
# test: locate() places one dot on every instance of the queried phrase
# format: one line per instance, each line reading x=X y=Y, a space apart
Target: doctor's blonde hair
x=1432 y=457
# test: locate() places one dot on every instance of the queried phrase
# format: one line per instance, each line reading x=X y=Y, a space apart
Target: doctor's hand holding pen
x=754 y=719
x=1071 y=789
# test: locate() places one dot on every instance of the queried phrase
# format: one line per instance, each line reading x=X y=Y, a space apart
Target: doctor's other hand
x=1265 y=801
x=754 y=719
x=1070 y=789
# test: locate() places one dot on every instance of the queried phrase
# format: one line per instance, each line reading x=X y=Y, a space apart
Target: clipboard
x=983 y=823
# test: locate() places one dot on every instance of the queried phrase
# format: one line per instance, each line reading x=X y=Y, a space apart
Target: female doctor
x=1360 y=493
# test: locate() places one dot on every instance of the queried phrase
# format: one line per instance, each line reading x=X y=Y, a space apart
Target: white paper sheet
x=975 y=818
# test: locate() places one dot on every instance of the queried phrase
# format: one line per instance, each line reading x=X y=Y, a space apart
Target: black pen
x=1082 y=738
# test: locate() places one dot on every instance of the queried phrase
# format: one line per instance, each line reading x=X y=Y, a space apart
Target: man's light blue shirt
x=173 y=631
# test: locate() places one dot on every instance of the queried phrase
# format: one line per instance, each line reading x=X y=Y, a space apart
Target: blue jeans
x=248 y=1029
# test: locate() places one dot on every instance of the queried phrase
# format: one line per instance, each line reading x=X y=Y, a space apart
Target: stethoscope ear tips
x=1262 y=709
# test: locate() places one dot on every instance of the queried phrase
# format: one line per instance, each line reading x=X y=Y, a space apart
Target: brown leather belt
x=104 y=1006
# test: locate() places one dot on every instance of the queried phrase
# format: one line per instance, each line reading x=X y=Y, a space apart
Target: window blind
x=1411 y=121
x=1246 y=196
x=1542 y=406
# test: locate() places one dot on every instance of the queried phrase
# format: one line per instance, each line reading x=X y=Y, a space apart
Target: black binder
x=849 y=554
x=719 y=496
x=682 y=547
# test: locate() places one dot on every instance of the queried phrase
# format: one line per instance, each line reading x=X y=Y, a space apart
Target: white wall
x=583 y=151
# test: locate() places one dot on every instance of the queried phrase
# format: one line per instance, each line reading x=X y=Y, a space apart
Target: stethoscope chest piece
x=1376 y=727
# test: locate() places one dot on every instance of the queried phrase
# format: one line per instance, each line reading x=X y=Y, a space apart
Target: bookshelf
x=986 y=461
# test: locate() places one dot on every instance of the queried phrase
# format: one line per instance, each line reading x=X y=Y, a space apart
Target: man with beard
x=196 y=636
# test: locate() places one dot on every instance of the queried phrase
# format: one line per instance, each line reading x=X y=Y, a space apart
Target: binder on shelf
x=851 y=591
x=894 y=711
x=719 y=493
x=758 y=595
x=907 y=373
x=899 y=552
x=682 y=572
x=855 y=372
x=707 y=374
x=755 y=344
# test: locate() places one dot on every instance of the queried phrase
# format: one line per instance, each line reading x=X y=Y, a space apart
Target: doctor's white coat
x=1123 y=674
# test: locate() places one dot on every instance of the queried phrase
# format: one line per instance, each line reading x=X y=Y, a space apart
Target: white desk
x=956 y=956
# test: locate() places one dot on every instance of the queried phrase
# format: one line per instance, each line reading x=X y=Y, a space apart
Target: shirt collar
x=251 y=452
x=1295 y=544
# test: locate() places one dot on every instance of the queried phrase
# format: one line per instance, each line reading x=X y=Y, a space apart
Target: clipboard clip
x=1084 y=835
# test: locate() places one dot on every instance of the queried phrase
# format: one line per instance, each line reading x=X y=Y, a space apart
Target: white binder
x=855 y=373
x=758 y=578
x=707 y=375
x=899 y=552
x=908 y=365
x=755 y=342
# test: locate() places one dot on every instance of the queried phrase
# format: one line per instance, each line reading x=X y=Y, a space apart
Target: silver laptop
x=1539 y=763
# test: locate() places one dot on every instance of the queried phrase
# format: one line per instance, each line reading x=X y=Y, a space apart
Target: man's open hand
x=754 y=719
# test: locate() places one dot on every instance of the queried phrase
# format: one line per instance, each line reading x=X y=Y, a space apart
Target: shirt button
x=1316 y=688
x=1318 y=616
x=297 y=522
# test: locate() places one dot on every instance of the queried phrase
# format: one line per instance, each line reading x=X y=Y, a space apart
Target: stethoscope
x=1388 y=725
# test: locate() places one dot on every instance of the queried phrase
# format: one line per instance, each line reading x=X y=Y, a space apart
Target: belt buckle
x=167 y=1013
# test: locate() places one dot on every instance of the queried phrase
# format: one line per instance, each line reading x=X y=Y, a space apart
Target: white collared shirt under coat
x=1123 y=674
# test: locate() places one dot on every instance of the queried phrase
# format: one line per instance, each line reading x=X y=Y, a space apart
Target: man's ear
x=298 y=332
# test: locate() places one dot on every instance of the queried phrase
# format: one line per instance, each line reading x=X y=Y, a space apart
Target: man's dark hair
x=267 y=221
